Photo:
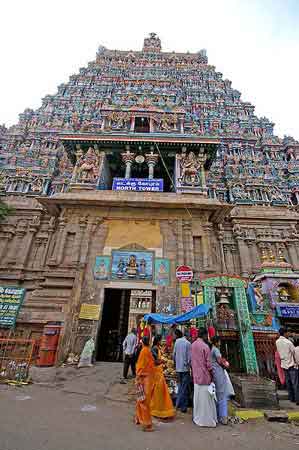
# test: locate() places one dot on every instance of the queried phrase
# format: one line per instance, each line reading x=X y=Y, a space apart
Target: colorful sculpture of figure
x=142 y=268
x=120 y=268
x=190 y=169
x=132 y=267
x=101 y=271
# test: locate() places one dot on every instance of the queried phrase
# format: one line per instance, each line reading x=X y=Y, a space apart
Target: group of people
x=287 y=362
x=200 y=360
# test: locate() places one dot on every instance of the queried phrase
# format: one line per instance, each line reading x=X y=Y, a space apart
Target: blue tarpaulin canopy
x=194 y=313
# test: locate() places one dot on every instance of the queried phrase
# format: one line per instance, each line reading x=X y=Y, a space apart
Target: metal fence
x=16 y=356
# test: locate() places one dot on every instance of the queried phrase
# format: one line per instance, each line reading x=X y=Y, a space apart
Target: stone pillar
x=152 y=129
x=128 y=159
x=132 y=128
x=14 y=250
x=228 y=258
x=27 y=242
x=180 y=243
x=220 y=240
x=244 y=257
x=79 y=238
x=292 y=253
x=6 y=237
x=206 y=245
x=254 y=255
x=58 y=250
x=151 y=160
x=188 y=243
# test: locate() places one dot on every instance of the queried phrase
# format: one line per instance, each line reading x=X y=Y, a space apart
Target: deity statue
x=259 y=299
x=120 y=268
x=190 y=168
x=132 y=266
x=101 y=271
x=87 y=167
x=142 y=268
x=37 y=185
x=283 y=295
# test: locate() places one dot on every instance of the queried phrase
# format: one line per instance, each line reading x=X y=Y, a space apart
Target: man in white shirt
x=129 y=348
x=286 y=352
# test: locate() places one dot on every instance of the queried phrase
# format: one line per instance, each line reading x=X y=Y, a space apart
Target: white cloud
x=253 y=43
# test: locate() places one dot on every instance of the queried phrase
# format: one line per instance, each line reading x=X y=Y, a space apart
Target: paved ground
x=90 y=410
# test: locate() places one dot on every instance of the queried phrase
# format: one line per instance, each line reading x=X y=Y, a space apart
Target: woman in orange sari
x=145 y=382
x=161 y=403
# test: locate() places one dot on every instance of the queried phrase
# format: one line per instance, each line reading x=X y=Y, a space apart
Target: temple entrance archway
x=114 y=325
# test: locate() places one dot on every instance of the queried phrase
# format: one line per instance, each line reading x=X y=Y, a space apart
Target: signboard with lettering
x=184 y=273
x=187 y=303
x=89 y=312
x=289 y=311
x=137 y=184
x=11 y=299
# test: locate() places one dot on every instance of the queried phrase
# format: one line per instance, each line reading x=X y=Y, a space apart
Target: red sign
x=184 y=273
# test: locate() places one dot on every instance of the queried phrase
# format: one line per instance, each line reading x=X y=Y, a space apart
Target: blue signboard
x=289 y=311
x=137 y=184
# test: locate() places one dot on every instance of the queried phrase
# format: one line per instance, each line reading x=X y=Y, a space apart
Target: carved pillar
x=151 y=123
x=132 y=127
x=90 y=229
x=246 y=335
x=128 y=159
x=244 y=257
x=292 y=253
x=254 y=255
x=151 y=160
x=6 y=237
x=50 y=235
x=79 y=238
x=220 y=236
x=180 y=244
x=206 y=245
x=228 y=258
x=58 y=250
x=188 y=243
x=27 y=242
x=14 y=250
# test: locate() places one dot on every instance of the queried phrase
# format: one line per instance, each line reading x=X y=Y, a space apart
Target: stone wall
x=53 y=257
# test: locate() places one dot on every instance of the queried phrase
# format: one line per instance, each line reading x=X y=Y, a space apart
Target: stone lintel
x=144 y=200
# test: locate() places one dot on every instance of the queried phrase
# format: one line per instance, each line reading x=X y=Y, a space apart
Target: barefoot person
x=161 y=403
x=129 y=349
x=145 y=369
x=222 y=382
x=204 y=406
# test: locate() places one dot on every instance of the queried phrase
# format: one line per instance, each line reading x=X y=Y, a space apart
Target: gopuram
x=142 y=162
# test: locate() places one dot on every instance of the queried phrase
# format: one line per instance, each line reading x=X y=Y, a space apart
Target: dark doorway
x=114 y=325
x=142 y=125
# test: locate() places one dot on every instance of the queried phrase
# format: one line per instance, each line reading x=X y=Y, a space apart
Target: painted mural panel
x=162 y=271
x=132 y=265
x=102 y=268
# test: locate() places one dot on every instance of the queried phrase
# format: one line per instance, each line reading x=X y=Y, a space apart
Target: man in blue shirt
x=129 y=349
x=182 y=361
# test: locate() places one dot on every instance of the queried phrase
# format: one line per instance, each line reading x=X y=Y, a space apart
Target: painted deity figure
x=87 y=167
x=142 y=268
x=132 y=266
x=101 y=271
x=259 y=299
x=120 y=268
x=190 y=169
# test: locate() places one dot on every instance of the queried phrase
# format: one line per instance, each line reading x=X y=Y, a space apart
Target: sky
x=254 y=43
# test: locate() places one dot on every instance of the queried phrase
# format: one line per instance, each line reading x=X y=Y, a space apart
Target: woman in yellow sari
x=145 y=368
x=161 y=403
